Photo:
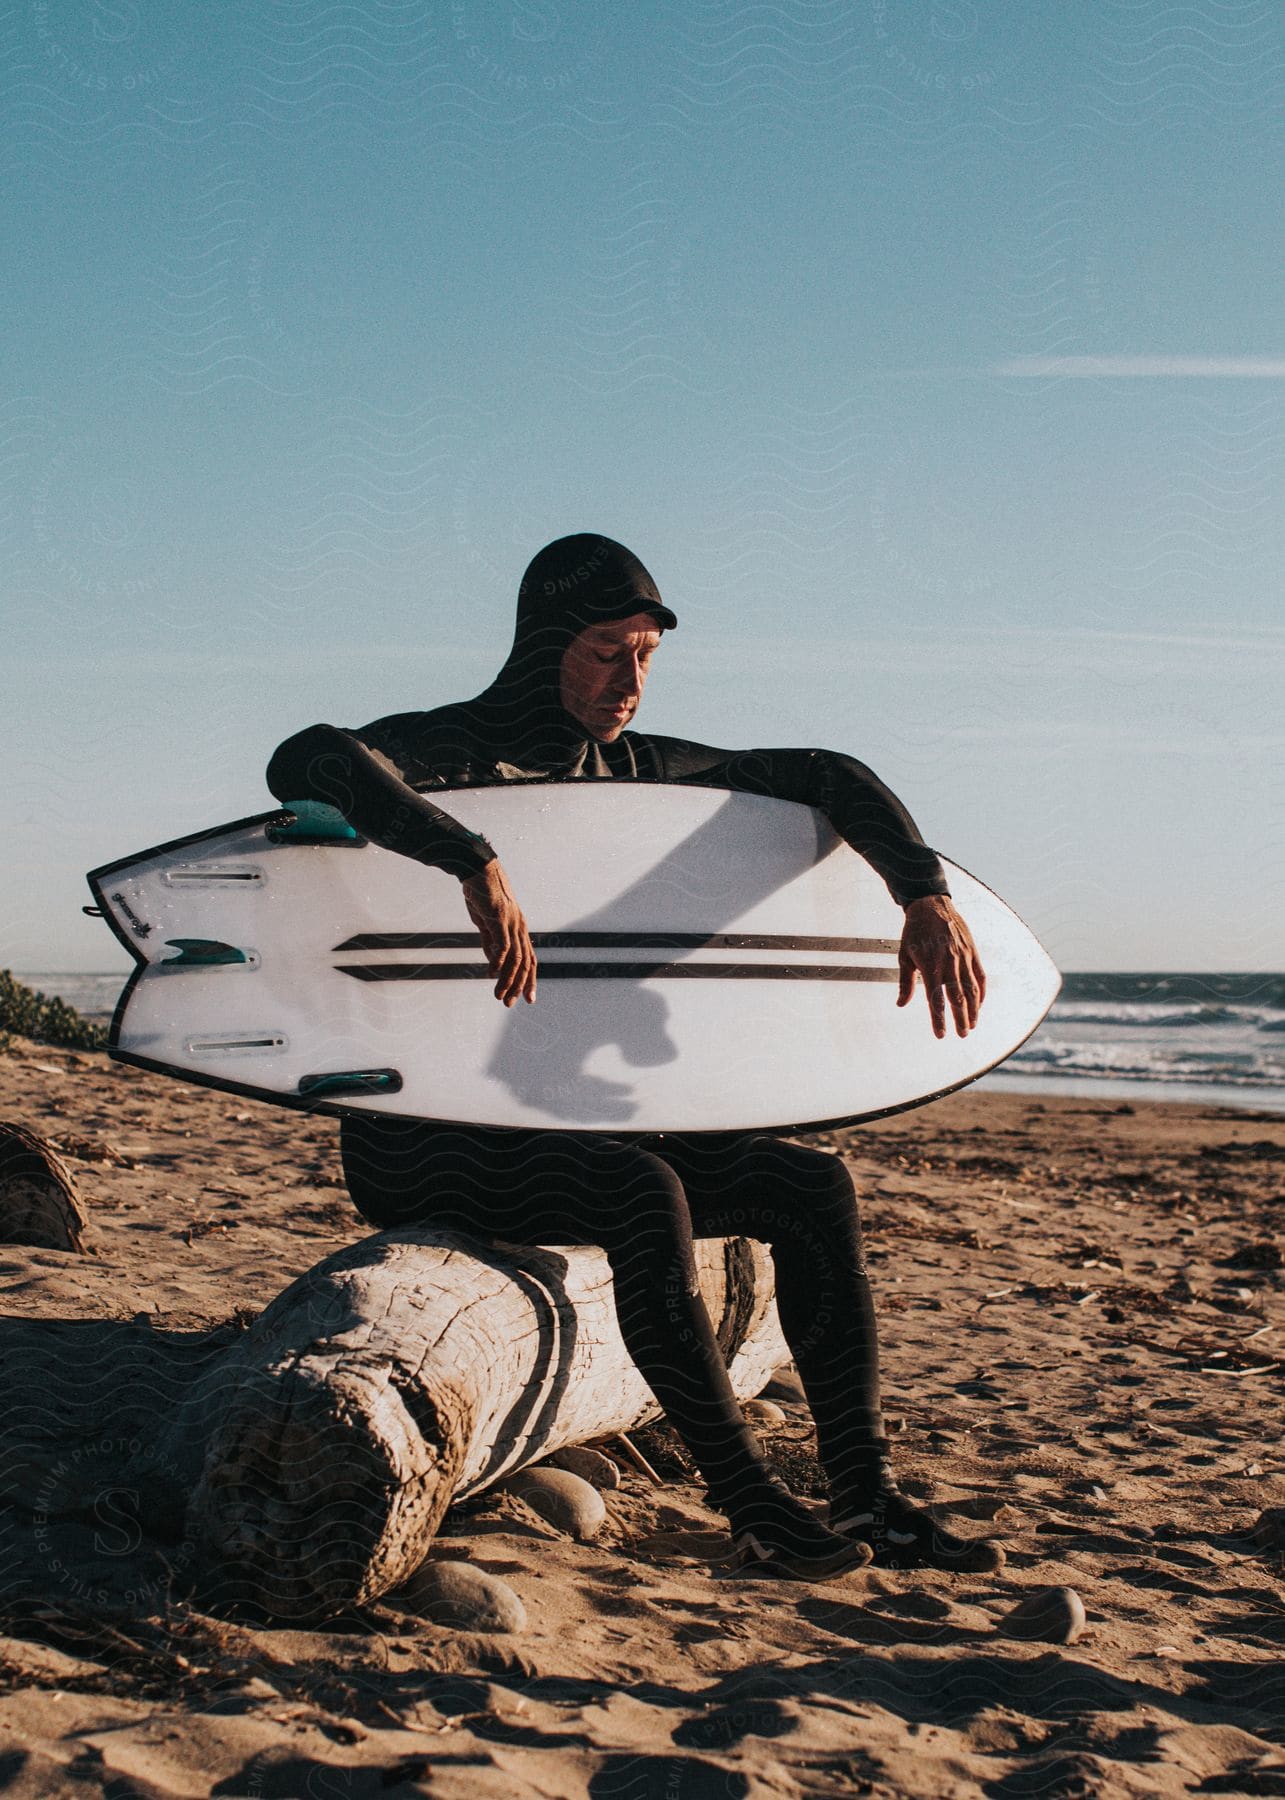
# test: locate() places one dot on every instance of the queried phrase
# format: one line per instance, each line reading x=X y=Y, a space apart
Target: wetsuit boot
x=775 y=1534
x=900 y=1534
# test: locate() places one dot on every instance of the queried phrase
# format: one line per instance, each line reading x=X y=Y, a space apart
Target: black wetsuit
x=642 y=1200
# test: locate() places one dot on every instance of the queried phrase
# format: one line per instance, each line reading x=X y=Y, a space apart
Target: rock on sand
x=1268 y=1529
x=563 y=1500
x=455 y=1593
x=590 y=1465
x=1052 y=1615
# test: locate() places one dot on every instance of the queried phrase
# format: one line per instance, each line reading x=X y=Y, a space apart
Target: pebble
x=566 y=1501
x=763 y=1412
x=590 y=1465
x=1268 y=1528
x=455 y=1593
x=1053 y=1615
x=785 y=1385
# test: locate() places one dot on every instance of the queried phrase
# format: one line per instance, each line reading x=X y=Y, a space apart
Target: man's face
x=604 y=671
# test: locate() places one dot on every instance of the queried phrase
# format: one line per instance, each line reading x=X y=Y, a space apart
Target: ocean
x=1210 y=1038
x=1216 y=1039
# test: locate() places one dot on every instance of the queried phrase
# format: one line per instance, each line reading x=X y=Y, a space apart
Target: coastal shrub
x=25 y=1012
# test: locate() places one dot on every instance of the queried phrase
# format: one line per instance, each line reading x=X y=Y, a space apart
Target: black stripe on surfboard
x=613 y=940
x=626 y=971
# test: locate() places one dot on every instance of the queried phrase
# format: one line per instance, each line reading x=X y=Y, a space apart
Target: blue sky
x=930 y=356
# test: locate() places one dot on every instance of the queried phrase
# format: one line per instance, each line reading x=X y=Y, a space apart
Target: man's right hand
x=505 y=938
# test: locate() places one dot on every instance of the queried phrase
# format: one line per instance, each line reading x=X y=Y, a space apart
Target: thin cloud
x=1236 y=368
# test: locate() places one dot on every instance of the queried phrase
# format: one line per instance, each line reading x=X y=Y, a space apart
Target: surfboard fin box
x=312 y=822
x=238 y=1044
x=350 y=1081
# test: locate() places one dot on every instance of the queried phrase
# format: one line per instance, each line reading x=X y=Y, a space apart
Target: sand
x=1081 y=1304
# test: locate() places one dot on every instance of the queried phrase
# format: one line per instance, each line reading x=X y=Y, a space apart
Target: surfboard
x=708 y=961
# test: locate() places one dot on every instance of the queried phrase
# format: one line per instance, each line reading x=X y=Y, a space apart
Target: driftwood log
x=38 y=1201
x=409 y=1370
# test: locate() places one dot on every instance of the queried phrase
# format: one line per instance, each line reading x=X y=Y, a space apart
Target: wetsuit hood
x=571 y=584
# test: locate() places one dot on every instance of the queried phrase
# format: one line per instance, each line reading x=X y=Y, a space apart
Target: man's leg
x=802 y=1202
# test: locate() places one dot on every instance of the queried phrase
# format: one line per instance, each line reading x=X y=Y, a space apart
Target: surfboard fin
x=350 y=1081
x=202 y=953
x=312 y=822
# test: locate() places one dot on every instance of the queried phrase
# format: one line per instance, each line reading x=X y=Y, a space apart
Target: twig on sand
x=635 y=1456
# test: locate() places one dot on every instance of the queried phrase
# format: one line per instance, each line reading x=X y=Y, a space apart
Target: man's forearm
x=869 y=817
x=866 y=814
x=332 y=766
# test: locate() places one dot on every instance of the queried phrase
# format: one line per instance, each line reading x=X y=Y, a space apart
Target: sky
x=930 y=355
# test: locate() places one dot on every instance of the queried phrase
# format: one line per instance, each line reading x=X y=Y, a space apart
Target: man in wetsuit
x=589 y=621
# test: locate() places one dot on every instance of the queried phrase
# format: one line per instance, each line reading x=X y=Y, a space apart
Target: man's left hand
x=938 y=948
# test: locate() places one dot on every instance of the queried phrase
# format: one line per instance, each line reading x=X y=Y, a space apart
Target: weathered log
x=415 y=1368
x=38 y=1200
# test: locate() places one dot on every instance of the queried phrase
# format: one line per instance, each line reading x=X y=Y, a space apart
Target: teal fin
x=351 y=1081
x=313 y=823
x=201 y=953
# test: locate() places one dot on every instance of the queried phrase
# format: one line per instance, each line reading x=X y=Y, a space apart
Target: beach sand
x=1080 y=1305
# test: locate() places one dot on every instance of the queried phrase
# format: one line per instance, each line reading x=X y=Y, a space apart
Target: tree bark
x=411 y=1369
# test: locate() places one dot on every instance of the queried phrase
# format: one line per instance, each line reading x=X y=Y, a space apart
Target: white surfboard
x=708 y=961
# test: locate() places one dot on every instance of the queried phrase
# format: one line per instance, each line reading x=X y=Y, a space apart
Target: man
x=590 y=619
